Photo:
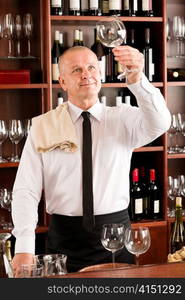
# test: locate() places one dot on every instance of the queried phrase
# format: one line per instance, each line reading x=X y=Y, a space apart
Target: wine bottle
x=148 y=56
x=55 y=53
x=154 y=197
x=176 y=74
x=119 y=100
x=61 y=43
x=177 y=238
x=136 y=200
x=8 y=251
x=105 y=8
x=95 y=8
x=74 y=7
x=146 y=8
x=127 y=100
x=76 y=41
x=115 y=7
x=60 y=99
x=131 y=40
x=5 y=266
x=133 y=8
x=57 y=8
x=144 y=192
x=103 y=100
x=84 y=7
x=81 y=41
x=99 y=50
x=109 y=63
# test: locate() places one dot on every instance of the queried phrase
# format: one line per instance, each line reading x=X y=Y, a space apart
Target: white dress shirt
x=116 y=131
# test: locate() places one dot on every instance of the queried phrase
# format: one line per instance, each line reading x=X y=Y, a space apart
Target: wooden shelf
x=40 y=229
x=176 y=155
x=24 y=86
x=9 y=165
x=97 y=18
x=112 y=85
x=176 y=83
x=149 y=149
x=149 y=223
x=172 y=220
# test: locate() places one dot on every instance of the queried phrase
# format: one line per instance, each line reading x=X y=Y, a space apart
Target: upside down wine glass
x=112 y=238
x=112 y=33
x=137 y=241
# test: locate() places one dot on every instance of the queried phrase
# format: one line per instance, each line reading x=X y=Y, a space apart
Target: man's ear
x=62 y=83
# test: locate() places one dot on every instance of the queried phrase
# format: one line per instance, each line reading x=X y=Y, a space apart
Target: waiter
x=80 y=155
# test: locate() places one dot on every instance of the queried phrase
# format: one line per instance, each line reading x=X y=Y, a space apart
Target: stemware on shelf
x=112 y=238
x=18 y=34
x=137 y=241
x=16 y=133
x=27 y=126
x=173 y=131
x=28 y=30
x=3 y=137
x=8 y=27
x=178 y=32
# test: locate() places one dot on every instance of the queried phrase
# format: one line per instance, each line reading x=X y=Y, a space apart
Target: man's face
x=80 y=75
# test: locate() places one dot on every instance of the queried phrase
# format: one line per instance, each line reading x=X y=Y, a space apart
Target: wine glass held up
x=137 y=241
x=112 y=238
x=112 y=33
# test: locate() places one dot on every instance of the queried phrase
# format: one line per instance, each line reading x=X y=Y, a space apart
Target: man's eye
x=77 y=70
x=91 y=67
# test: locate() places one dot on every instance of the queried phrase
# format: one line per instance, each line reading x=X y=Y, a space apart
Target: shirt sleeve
x=150 y=119
x=27 y=192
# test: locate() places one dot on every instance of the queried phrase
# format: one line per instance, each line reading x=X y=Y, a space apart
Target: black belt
x=68 y=236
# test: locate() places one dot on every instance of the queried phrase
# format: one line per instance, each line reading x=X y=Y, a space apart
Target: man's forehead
x=77 y=57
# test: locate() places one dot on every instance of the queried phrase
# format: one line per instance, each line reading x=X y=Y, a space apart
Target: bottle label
x=139 y=206
x=135 y=7
x=105 y=7
x=56 y=3
x=94 y=4
x=74 y=4
x=115 y=5
x=126 y=5
x=120 y=68
x=84 y=5
x=156 y=206
x=145 y=5
x=102 y=64
x=55 y=72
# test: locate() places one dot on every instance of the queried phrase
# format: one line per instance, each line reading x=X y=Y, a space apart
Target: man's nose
x=85 y=74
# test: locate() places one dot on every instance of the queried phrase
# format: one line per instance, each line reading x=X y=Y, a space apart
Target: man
x=116 y=131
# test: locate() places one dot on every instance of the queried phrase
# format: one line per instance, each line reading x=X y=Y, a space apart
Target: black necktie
x=87 y=178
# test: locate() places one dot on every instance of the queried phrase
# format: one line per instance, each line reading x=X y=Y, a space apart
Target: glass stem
x=29 y=48
x=137 y=260
x=16 y=151
x=1 y=154
x=113 y=259
x=9 y=48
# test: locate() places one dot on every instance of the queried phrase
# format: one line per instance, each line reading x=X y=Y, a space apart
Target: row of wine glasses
x=176 y=32
x=15 y=131
x=176 y=188
x=176 y=130
x=16 y=28
x=5 y=203
x=115 y=236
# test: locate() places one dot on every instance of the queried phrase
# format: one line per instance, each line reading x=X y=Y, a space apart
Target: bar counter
x=166 y=270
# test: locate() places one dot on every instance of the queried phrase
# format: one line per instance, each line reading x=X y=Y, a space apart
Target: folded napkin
x=54 y=129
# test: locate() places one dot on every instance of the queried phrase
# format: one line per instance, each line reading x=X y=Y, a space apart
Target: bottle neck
x=147 y=36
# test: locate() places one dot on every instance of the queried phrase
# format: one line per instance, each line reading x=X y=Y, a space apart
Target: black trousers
x=67 y=236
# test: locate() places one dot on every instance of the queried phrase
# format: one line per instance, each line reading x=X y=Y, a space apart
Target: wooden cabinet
x=23 y=101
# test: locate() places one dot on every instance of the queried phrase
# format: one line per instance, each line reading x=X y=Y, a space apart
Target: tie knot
x=86 y=115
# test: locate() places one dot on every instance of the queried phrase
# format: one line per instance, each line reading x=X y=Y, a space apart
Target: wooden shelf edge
x=24 y=86
x=172 y=220
x=9 y=165
x=176 y=156
x=113 y=85
x=40 y=229
x=149 y=149
x=149 y=223
x=176 y=83
x=97 y=18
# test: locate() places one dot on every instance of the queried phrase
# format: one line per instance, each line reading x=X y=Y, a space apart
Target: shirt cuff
x=143 y=86
x=25 y=244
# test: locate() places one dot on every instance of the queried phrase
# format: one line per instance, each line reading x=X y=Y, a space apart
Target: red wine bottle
x=76 y=41
x=55 y=53
x=177 y=238
x=144 y=191
x=99 y=50
x=154 y=197
x=84 y=7
x=136 y=200
x=115 y=7
x=57 y=8
x=105 y=8
x=74 y=7
x=146 y=8
x=95 y=8
x=148 y=56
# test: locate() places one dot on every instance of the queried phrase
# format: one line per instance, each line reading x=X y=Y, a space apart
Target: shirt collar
x=96 y=111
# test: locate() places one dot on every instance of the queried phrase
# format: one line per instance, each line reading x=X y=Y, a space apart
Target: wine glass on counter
x=28 y=30
x=112 y=238
x=8 y=27
x=112 y=33
x=3 y=137
x=16 y=133
x=137 y=241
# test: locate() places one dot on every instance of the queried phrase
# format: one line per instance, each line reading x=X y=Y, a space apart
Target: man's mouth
x=87 y=83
